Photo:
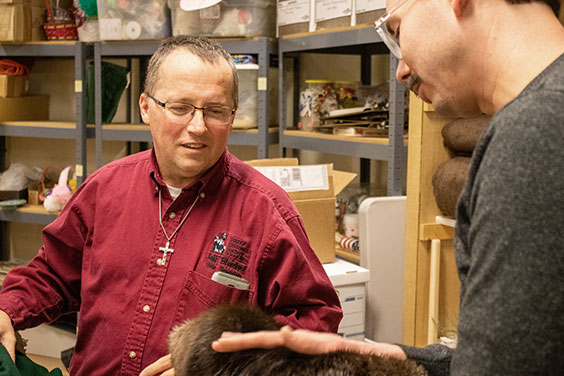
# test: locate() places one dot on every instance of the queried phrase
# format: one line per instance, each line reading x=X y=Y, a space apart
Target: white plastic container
x=246 y=116
x=228 y=18
x=142 y=19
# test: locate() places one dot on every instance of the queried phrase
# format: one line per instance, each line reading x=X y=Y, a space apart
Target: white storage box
x=350 y=282
x=228 y=18
x=142 y=19
x=368 y=11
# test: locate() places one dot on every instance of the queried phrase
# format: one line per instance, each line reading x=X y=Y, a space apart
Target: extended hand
x=302 y=341
x=7 y=335
x=163 y=365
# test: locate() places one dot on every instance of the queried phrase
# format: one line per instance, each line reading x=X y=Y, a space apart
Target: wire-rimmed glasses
x=213 y=115
x=389 y=37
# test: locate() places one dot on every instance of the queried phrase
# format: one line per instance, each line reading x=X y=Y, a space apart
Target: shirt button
x=146 y=308
x=202 y=195
x=132 y=354
x=172 y=215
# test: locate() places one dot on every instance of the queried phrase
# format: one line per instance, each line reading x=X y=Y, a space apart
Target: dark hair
x=204 y=48
x=553 y=4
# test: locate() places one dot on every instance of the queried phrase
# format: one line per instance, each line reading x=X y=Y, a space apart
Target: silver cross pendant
x=165 y=250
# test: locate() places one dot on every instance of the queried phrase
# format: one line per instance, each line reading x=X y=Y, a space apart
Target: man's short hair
x=553 y=4
x=204 y=48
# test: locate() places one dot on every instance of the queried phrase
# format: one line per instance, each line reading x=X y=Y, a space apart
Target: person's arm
x=303 y=341
x=50 y=284
x=293 y=285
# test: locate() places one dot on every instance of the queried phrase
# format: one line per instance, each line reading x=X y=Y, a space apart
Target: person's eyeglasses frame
x=203 y=109
x=389 y=40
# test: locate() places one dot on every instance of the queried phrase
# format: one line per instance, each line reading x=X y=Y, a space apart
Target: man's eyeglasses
x=213 y=115
x=390 y=37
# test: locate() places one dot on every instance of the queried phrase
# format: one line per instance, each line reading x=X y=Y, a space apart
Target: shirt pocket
x=201 y=292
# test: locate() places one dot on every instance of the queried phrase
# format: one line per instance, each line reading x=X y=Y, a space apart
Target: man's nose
x=198 y=123
x=402 y=72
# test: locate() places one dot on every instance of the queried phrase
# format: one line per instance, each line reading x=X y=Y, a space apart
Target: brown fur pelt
x=448 y=181
x=191 y=352
x=462 y=135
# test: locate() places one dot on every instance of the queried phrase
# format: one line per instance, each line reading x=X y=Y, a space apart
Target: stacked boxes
x=21 y=20
x=350 y=281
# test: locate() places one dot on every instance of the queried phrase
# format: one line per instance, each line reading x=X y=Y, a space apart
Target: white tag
x=368 y=5
x=110 y=28
x=330 y=9
x=189 y=5
x=292 y=12
x=298 y=178
x=211 y=13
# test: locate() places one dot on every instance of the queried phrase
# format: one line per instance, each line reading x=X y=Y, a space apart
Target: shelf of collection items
x=363 y=41
x=265 y=49
x=76 y=129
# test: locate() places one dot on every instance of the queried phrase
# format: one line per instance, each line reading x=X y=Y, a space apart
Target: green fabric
x=114 y=82
x=23 y=367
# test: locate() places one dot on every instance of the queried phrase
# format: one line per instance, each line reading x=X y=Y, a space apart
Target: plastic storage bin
x=229 y=18
x=246 y=116
x=142 y=19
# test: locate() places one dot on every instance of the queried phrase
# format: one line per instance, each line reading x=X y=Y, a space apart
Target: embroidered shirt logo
x=219 y=243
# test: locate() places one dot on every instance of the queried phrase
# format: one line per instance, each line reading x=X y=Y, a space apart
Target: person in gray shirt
x=502 y=58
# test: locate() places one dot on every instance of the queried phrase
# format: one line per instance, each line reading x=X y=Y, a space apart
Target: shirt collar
x=209 y=182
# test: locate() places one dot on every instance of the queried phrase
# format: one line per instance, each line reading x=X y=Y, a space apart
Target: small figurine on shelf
x=60 y=194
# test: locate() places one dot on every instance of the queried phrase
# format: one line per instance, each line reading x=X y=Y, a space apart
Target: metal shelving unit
x=263 y=136
x=358 y=41
x=76 y=130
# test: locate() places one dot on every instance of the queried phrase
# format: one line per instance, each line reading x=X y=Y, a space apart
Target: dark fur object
x=462 y=135
x=448 y=181
x=190 y=348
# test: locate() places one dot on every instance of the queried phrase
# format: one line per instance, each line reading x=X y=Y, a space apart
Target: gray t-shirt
x=510 y=243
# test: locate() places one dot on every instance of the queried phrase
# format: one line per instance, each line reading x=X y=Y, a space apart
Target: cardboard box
x=13 y=86
x=317 y=207
x=21 y=21
x=32 y=107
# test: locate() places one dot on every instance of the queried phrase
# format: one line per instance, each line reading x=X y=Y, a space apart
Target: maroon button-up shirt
x=101 y=257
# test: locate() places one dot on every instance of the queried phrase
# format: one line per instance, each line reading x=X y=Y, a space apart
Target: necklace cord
x=168 y=238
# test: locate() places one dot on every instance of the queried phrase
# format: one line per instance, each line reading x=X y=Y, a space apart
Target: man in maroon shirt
x=155 y=238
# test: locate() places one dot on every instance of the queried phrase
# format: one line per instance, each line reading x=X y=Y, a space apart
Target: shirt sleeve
x=512 y=291
x=293 y=285
x=49 y=285
x=434 y=358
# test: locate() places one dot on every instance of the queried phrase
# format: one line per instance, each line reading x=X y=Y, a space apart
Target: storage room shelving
x=363 y=41
x=264 y=48
x=76 y=130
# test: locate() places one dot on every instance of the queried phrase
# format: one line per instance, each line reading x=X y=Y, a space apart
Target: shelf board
x=347 y=40
x=39 y=48
x=251 y=45
x=29 y=214
x=141 y=132
x=42 y=129
x=363 y=147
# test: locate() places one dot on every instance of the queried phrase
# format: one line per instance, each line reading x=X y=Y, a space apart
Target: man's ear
x=144 y=107
x=458 y=6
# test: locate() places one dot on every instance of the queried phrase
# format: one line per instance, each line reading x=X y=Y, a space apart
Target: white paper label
x=368 y=5
x=330 y=9
x=298 y=178
x=189 y=5
x=110 y=28
x=292 y=12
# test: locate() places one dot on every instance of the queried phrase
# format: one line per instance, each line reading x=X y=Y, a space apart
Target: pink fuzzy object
x=60 y=194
